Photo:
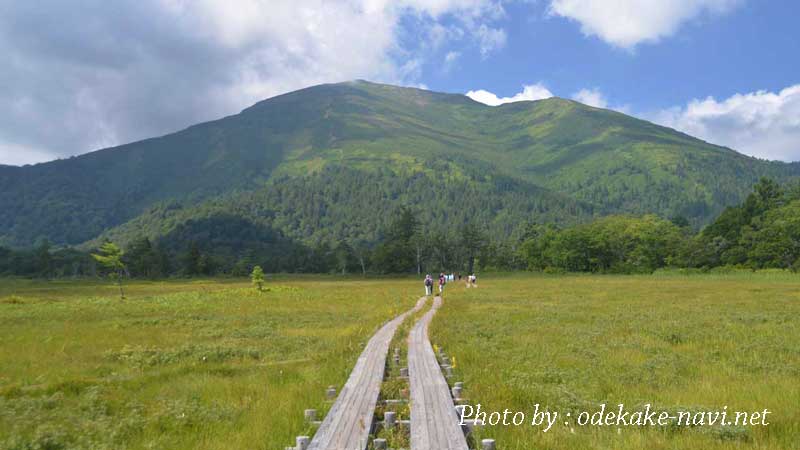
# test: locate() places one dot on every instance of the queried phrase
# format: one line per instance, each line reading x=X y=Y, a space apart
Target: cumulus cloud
x=82 y=75
x=591 y=97
x=762 y=124
x=627 y=23
x=529 y=92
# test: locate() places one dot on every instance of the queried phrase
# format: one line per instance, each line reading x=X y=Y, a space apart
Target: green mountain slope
x=290 y=161
x=341 y=203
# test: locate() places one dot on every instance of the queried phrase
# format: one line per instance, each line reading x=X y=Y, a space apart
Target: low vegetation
x=573 y=342
x=180 y=364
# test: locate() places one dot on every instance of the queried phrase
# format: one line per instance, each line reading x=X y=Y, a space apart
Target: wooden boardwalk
x=347 y=425
x=434 y=423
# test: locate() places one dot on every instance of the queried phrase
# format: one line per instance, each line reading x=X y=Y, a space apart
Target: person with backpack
x=442 y=282
x=428 y=285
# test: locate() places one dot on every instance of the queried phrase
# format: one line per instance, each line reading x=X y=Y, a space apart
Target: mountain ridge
x=593 y=156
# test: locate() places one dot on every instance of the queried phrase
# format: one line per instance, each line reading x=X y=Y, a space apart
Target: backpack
x=428 y=282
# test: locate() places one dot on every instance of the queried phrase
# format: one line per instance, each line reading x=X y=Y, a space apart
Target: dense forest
x=761 y=232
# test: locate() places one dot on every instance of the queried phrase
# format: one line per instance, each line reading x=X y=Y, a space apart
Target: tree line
x=762 y=232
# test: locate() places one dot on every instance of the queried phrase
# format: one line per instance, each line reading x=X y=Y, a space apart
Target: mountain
x=333 y=161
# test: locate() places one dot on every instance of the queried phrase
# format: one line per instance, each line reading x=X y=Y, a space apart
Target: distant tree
x=257 y=277
x=767 y=194
x=193 y=260
x=110 y=258
x=345 y=258
x=43 y=258
x=361 y=250
x=621 y=244
x=145 y=259
x=396 y=254
x=680 y=221
x=421 y=248
x=473 y=241
x=244 y=265
x=441 y=251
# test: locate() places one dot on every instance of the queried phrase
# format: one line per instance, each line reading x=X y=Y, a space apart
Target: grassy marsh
x=180 y=364
x=696 y=342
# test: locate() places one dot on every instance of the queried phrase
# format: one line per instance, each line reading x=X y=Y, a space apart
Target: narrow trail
x=347 y=424
x=434 y=423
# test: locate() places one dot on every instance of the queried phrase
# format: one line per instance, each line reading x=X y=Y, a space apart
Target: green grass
x=179 y=364
x=696 y=342
x=212 y=364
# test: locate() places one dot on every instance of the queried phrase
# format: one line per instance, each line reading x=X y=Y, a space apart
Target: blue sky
x=755 y=46
x=85 y=75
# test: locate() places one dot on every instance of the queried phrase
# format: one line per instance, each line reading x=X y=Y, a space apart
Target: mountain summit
x=325 y=161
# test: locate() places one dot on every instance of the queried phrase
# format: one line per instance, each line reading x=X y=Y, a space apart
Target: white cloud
x=78 y=77
x=763 y=124
x=490 y=39
x=529 y=92
x=450 y=59
x=626 y=23
x=591 y=97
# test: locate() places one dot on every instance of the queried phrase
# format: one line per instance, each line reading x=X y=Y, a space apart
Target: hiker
x=428 y=285
x=473 y=280
x=442 y=282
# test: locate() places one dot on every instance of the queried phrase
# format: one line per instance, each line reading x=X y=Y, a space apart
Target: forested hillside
x=331 y=163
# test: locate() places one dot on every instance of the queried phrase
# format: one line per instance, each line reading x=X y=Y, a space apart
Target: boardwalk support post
x=487 y=444
x=389 y=419
x=302 y=442
x=310 y=415
x=403 y=372
x=379 y=444
x=330 y=393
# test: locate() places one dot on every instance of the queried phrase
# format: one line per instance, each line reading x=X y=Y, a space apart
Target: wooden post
x=379 y=444
x=302 y=442
x=389 y=419
x=310 y=415
x=330 y=393
x=456 y=392
x=404 y=372
x=487 y=444
x=459 y=384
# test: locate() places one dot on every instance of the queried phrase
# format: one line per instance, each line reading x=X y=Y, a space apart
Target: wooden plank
x=347 y=424
x=434 y=423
